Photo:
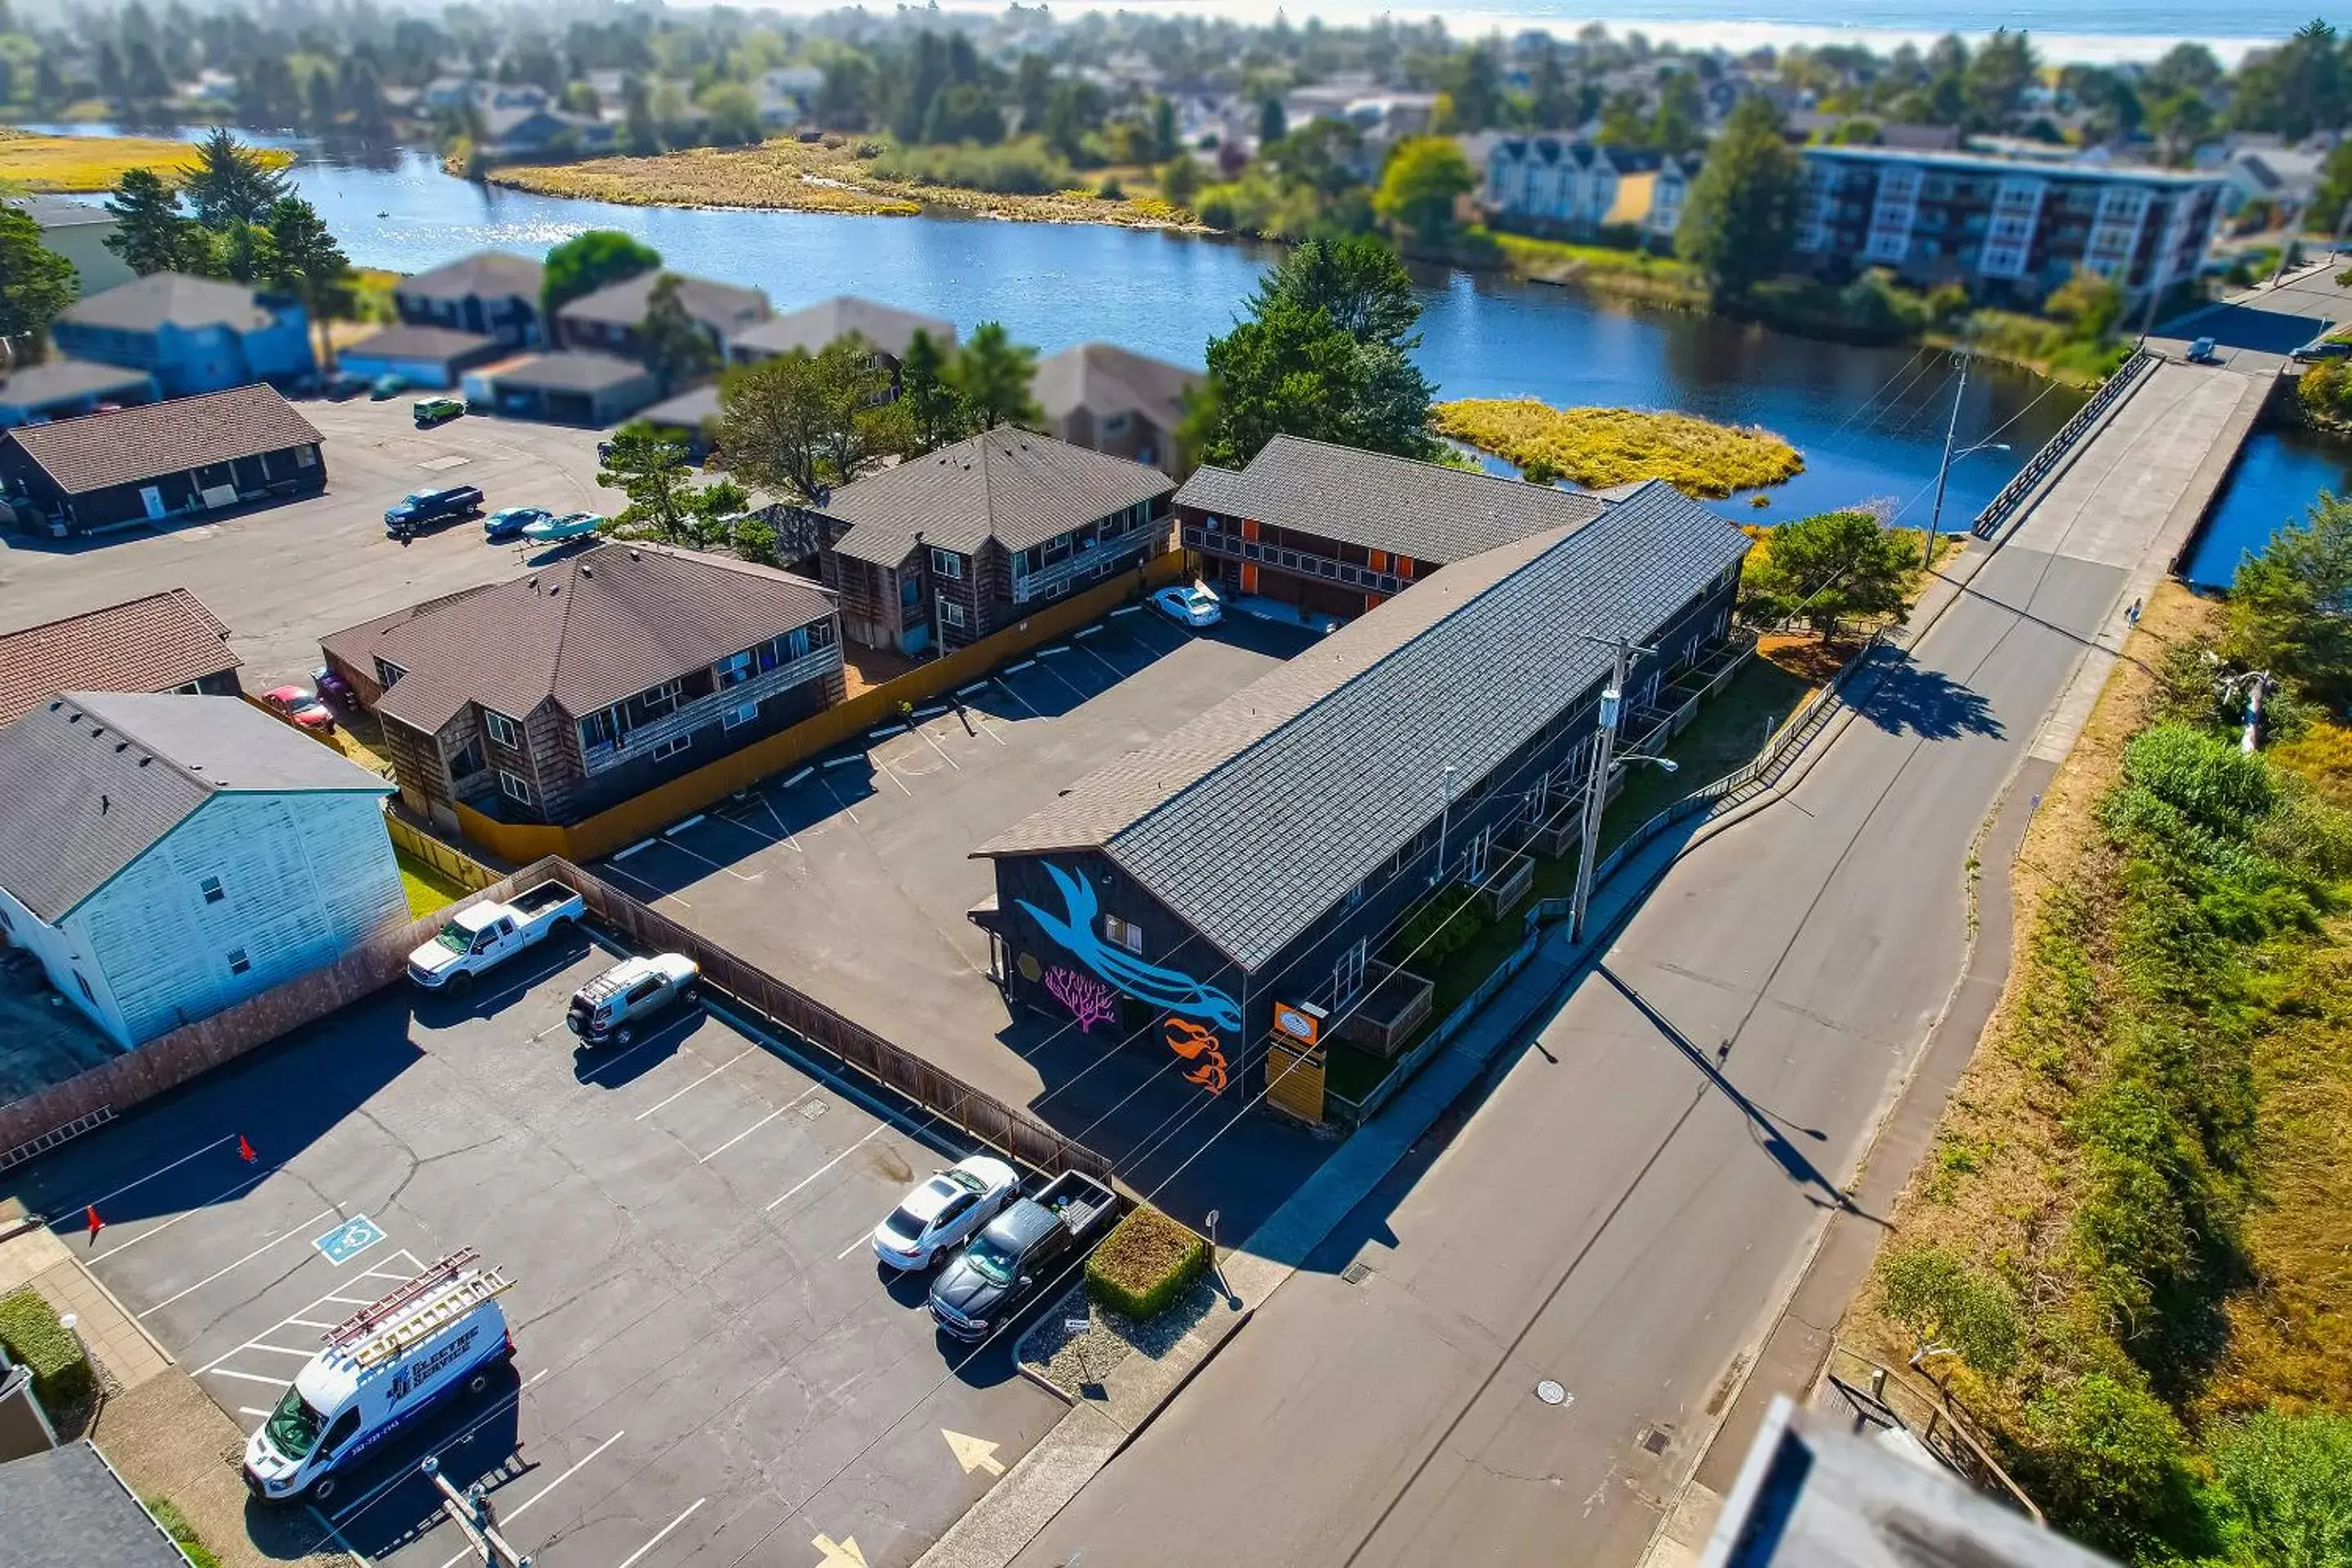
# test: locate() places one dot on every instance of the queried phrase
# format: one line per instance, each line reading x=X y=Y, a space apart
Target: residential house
x=606 y=322
x=192 y=334
x=596 y=390
x=1808 y=125
x=79 y=231
x=886 y=329
x=787 y=96
x=949 y=547
x=1263 y=857
x=1566 y=185
x=2287 y=178
x=1110 y=399
x=1336 y=531
x=65 y=388
x=161 y=642
x=166 y=857
x=537 y=131
x=421 y=356
x=489 y=294
x=550 y=697
x=2007 y=231
x=159 y=461
x=68 y=1505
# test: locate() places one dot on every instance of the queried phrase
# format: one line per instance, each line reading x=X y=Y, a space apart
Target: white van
x=383 y=1367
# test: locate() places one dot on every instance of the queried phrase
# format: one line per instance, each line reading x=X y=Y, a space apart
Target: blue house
x=167 y=857
x=192 y=334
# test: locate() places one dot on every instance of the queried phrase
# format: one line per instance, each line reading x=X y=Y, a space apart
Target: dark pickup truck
x=1023 y=1248
x=421 y=510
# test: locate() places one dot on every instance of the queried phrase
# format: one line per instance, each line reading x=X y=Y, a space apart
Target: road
x=1622 y=1211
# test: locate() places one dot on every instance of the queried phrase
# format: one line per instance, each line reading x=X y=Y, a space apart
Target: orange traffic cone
x=245 y=1149
x=95 y=1224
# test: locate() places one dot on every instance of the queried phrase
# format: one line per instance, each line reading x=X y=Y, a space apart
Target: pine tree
x=931 y=409
x=992 y=374
x=1738 y=220
x=302 y=259
x=675 y=348
x=35 y=282
x=151 y=232
x=231 y=183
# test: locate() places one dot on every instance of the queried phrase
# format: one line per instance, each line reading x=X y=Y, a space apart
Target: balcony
x=689 y=717
x=1230 y=545
x=1080 y=565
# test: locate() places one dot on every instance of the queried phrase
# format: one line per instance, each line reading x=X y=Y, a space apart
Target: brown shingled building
x=163 y=642
x=161 y=460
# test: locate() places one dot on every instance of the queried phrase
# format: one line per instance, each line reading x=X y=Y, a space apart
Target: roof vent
x=144 y=761
x=534 y=580
x=635 y=556
x=120 y=747
x=105 y=804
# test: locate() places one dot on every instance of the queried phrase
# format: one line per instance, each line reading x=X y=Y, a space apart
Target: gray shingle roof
x=567 y=370
x=92 y=780
x=156 y=643
x=1257 y=816
x=55 y=380
x=490 y=274
x=441 y=344
x=66 y=1505
x=1425 y=511
x=1011 y=485
x=190 y=303
x=1105 y=379
x=812 y=327
x=130 y=444
x=727 y=308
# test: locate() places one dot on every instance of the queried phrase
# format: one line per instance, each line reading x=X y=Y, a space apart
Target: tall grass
x=67 y=164
x=1603 y=447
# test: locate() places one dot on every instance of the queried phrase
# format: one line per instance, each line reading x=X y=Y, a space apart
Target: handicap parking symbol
x=349 y=1239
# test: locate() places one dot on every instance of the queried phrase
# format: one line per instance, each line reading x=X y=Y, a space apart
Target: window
x=341 y=1432
x=387 y=672
x=514 y=786
x=743 y=713
x=307 y=456
x=467 y=760
x=503 y=729
x=670 y=747
x=945 y=563
x=212 y=890
x=1114 y=424
x=1123 y=934
x=661 y=699
x=951 y=613
x=733 y=670
x=237 y=962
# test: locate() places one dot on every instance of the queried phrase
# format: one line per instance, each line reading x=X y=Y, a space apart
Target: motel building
x=1261 y=860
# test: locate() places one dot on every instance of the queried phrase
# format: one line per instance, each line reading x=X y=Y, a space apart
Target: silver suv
x=612 y=1009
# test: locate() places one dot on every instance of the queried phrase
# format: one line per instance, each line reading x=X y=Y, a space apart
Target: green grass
x=428 y=890
x=34 y=1339
x=184 y=1534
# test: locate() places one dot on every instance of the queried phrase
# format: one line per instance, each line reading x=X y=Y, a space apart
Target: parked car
x=300 y=705
x=388 y=385
x=512 y=521
x=333 y=688
x=1021 y=1250
x=1197 y=605
x=431 y=411
x=482 y=936
x=2324 y=347
x=421 y=510
x=343 y=385
x=2202 y=351
x=571 y=525
x=612 y=1009
x=940 y=1215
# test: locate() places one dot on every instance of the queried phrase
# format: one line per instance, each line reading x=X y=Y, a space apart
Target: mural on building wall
x=1090 y=1000
x=1079 y=929
x=1195 y=1044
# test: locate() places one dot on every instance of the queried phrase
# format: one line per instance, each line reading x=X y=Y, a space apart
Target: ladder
x=418 y=1309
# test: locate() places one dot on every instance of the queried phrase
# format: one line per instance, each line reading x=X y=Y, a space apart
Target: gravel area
x=1073 y=1362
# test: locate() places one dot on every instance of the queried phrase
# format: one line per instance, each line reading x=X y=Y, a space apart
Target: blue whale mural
x=1077 y=929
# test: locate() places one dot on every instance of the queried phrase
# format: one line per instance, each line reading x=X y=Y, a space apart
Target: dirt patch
x=1805 y=655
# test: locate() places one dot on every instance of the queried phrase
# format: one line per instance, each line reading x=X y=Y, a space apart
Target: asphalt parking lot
x=850 y=879
x=710 y=1364
x=284 y=576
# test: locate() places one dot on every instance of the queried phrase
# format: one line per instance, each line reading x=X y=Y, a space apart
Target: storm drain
x=812 y=1110
x=1655 y=1440
x=1356 y=1273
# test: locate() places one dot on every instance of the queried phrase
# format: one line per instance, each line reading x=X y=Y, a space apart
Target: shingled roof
x=599 y=626
x=812 y=327
x=1011 y=485
x=1105 y=379
x=152 y=644
x=132 y=443
x=92 y=780
x=727 y=307
x=1258 y=815
x=490 y=274
x=1425 y=511
x=180 y=299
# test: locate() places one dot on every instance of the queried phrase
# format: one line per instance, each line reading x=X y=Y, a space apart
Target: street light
x=1935 y=518
x=1613 y=702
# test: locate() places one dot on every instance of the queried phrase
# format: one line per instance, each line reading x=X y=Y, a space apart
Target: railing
x=689 y=717
x=2056 y=450
x=1879 y=1397
x=1047 y=580
x=1306 y=562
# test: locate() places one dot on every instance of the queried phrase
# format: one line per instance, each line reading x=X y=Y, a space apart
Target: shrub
x=33 y=1337
x=1601 y=446
x=1145 y=1264
x=2286 y=1488
x=1944 y=1300
x=1441 y=928
x=2108 y=1461
x=184 y=1534
x=1025 y=168
x=2206 y=779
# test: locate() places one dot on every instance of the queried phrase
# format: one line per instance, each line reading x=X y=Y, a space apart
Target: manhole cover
x=1655 y=1440
x=1551 y=1393
x=1356 y=1273
x=812 y=1110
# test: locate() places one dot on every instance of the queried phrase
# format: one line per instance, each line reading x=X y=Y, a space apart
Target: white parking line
x=279 y=1350
x=322 y=1214
x=864 y=1240
x=308 y=1323
x=714 y=865
x=847 y=810
x=757 y=1125
x=525 y=1506
x=1117 y=673
x=836 y=1160
x=247 y=1185
x=638 y=1556
x=697 y=1083
x=367 y=1498
x=348 y=1301
x=249 y=1377
x=883 y=763
x=658 y=893
x=1007 y=687
x=950 y=761
x=143 y=1181
x=779 y=821
x=387 y=1274
x=1066 y=680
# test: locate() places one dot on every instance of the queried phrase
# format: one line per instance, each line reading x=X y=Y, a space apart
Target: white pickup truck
x=486 y=935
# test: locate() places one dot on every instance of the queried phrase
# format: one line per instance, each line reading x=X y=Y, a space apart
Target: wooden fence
x=645 y=814
x=447 y=859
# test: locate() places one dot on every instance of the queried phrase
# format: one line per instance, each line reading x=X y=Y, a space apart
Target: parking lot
x=851 y=877
x=283 y=576
x=709 y=1366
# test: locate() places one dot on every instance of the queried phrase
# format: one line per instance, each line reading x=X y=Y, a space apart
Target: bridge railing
x=2055 y=451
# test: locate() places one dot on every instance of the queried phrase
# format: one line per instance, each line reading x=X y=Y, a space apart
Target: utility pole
x=1596 y=792
x=1944 y=468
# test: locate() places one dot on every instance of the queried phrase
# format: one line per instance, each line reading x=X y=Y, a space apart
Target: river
x=1870 y=422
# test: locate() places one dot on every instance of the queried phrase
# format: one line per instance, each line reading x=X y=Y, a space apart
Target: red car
x=300 y=705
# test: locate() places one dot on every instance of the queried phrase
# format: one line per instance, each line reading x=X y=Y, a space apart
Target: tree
x=1622 y=124
x=151 y=232
x=2291 y=605
x=2288 y=1482
x=1032 y=90
x=964 y=112
x=1827 y=569
x=303 y=259
x=1180 y=180
x=1165 y=142
x=1424 y=177
x=734 y=117
x=1073 y=109
x=231 y=182
x=1553 y=107
x=2296 y=88
x=1474 y=82
x=2334 y=197
x=934 y=417
x=1737 y=217
x=858 y=421
x=1674 y=125
x=639 y=134
x=1272 y=125
x=35 y=282
x=650 y=468
x=802 y=423
x=1357 y=283
x=1994 y=81
x=990 y=373
x=673 y=342
x=586 y=262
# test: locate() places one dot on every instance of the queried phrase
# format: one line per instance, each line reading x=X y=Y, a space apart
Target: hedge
x=1145 y=1264
x=34 y=1339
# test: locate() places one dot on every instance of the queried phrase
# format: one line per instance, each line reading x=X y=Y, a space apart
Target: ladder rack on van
x=449 y=1290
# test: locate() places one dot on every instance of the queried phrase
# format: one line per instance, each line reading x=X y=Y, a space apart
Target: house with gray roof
x=68 y=1505
x=192 y=334
x=64 y=388
x=887 y=330
x=166 y=857
x=1272 y=849
x=78 y=230
x=1337 y=531
x=127 y=467
x=489 y=294
x=607 y=320
x=1118 y=401
x=948 y=547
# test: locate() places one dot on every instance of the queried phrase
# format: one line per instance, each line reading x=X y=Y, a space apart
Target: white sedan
x=944 y=1212
x=1197 y=605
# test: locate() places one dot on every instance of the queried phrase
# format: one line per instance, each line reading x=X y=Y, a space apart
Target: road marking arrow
x=842 y=1554
x=974 y=1453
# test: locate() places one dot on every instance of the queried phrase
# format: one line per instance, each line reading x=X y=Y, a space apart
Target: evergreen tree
x=933 y=413
x=992 y=374
x=638 y=132
x=303 y=259
x=650 y=468
x=35 y=282
x=230 y=183
x=1737 y=218
x=151 y=233
x=585 y=263
x=673 y=342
